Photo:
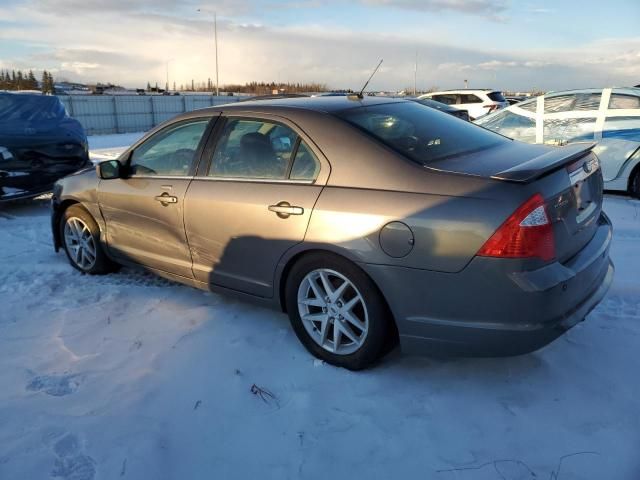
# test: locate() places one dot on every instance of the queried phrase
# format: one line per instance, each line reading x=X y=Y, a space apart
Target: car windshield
x=420 y=133
x=30 y=109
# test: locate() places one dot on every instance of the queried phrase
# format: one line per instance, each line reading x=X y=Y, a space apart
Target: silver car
x=367 y=220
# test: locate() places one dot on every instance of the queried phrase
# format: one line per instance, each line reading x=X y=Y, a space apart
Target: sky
x=502 y=44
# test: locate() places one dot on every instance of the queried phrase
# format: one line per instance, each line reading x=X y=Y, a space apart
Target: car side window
x=305 y=164
x=170 y=152
x=622 y=101
x=512 y=125
x=447 y=99
x=253 y=149
x=469 y=98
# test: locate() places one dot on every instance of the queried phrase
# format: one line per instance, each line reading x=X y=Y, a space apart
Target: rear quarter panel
x=448 y=230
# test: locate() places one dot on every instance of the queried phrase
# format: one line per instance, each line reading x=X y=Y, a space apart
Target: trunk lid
x=569 y=178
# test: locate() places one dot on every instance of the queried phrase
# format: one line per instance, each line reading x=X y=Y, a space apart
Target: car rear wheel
x=81 y=240
x=337 y=312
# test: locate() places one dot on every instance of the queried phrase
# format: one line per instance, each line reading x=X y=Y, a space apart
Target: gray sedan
x=367 y=220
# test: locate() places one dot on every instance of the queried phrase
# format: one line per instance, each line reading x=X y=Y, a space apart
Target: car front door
x=252 y=202
x=144 y=210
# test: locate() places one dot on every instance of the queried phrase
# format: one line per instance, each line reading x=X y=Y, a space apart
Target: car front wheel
x=634 y=184
x=337 y=312
x=81 y=240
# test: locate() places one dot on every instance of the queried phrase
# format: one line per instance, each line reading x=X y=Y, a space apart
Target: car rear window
x=496 y=96
x=420 y=133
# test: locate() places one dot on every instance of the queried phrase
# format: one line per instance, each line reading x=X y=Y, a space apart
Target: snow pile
x=131 y=376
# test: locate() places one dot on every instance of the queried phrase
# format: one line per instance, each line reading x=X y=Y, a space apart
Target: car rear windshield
x=496 y=96
x=420 y=133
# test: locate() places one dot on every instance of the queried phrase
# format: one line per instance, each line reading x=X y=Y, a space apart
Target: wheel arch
x=295 y=257
x=632 y=175
x=57 y=216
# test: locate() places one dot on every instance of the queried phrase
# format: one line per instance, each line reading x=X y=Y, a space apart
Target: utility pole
x=415 y=76
x=215 y=35
x=167 y=84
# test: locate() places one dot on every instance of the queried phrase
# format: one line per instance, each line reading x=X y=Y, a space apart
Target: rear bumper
x=492 y=308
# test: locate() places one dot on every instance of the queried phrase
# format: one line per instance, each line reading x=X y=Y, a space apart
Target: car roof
x=325 y=104
x=466 y=90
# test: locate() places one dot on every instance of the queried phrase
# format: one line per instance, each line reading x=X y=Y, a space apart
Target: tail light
x=527 y=233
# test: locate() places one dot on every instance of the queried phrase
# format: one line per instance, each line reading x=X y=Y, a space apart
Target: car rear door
x=144 y=210
x=251 y=201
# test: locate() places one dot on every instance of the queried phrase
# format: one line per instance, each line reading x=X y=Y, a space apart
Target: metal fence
x=102 y=114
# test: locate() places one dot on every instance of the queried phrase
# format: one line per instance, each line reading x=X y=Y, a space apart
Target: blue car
x=39 y=144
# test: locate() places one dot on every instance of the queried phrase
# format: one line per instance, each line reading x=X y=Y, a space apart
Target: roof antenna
x=359 y=95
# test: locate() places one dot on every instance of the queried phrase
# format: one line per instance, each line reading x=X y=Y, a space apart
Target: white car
x=477 y=102
x=609 y=116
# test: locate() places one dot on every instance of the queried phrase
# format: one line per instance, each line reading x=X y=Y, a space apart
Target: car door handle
x=284 y=209
x=165 y=199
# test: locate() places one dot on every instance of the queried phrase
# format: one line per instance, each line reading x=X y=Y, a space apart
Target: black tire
x=102 y=263
x=634 y=183
x=381 y=332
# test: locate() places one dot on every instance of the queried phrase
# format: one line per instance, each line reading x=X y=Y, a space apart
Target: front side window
x=420 y=133
x=171 y=151
x=260 y=149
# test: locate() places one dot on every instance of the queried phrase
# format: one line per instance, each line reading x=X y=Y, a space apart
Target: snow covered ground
x=128 y=376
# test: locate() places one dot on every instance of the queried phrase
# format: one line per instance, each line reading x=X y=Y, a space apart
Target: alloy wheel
x=333 y=311
x=80 y=243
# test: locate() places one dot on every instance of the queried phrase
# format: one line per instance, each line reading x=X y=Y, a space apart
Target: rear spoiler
x=546 y=163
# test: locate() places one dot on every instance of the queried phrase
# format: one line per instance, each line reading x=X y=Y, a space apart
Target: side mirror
x=109 y=170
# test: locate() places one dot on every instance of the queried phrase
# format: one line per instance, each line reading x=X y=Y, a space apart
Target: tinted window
x=253 y=149
x=305 y=165
x=170 y=151
x=620 y=101
x=447 y=99
x=469 y=98
x=420 y=133
x=496 y=96
x=511 y=125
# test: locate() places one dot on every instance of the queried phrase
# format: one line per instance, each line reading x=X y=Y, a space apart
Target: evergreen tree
x=32 y=83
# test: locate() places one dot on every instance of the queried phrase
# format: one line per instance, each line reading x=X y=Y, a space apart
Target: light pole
x=167 y=84
x=415 y=76
x=215 y=37
x=215 y=40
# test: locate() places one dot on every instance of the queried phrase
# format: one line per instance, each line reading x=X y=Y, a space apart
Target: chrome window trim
x=162 y=177
x=255 y=180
